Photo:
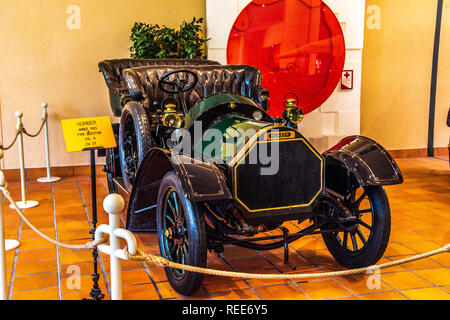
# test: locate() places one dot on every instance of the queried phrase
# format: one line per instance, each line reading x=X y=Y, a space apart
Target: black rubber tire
x=133 y=122
x=189 y=282
x=376 y=244
x=113 y=169
x=111 y=172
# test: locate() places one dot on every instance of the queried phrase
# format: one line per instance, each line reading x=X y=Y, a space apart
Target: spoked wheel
x=134 y=141
x=112 y=167
x=112 y=160
x=181 y=234
x=129 y=148
x=364 y=243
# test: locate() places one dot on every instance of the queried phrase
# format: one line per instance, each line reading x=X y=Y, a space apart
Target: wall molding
x=418 y=153
x=13 y=175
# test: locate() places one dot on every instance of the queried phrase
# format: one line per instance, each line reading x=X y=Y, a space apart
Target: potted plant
x=150 y=41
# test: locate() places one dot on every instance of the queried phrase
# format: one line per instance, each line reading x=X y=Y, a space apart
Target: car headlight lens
x=172 y=120
x=171 y=117
x=257 y=115
x=293 y=115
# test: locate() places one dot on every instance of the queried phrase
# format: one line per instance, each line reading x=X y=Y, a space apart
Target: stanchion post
x=5 y=245
x=2 y=246
x=113 y=205
x=19 y=128
x=49 y=177
x=24 y=203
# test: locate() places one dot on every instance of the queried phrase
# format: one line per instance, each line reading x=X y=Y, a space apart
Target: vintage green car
x=204 y=165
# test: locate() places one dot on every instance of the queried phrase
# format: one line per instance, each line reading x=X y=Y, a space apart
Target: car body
x=260 y=172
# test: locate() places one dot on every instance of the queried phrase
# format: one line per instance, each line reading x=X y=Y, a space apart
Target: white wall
x=49 y=52
x=339 y=116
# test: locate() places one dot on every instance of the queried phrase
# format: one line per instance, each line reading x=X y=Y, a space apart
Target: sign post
x=90 y=134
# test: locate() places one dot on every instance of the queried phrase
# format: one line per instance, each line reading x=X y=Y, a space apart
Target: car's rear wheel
x=181 y=234
x=367 y=242
x=112 y=167
x=134 y=141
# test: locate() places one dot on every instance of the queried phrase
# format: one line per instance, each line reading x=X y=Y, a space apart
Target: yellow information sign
x=88 y=133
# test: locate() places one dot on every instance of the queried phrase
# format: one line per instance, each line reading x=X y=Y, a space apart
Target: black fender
x=201 y=181
x=357 y=161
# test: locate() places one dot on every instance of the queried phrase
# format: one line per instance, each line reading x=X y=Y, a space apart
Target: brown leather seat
x=112 y=72
x=245 y=80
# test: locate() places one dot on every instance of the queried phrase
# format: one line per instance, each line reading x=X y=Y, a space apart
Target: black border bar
x=434 y=75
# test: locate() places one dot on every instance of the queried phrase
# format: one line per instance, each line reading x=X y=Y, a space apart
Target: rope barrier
x=160 y=261
x=39 y=131
x=86 y=246
x=12 y=143
x=20 y=129
x=138 y=255
x=163 y=262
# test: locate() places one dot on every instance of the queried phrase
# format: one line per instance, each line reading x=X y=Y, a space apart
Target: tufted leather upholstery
x=112 y=69
x=245 y=80
x=112 y=72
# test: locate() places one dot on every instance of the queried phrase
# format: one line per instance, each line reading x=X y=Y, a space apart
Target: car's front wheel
x=365 y=244
x=181 y=234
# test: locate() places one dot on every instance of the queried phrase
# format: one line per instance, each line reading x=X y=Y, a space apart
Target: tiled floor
x=420 y=222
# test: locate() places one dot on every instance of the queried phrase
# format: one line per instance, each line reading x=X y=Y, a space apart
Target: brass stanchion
x=49 y=177
x=24 y=204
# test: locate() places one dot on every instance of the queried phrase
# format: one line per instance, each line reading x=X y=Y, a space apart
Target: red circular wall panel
x=297 y=44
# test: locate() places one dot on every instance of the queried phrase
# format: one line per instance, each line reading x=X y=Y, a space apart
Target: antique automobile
x=204 y=165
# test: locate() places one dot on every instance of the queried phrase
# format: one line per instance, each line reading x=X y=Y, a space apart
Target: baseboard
x=418 y=153
x=68 y=171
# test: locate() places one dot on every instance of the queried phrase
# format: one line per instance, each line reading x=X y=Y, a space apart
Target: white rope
x=88 y=245
x=160 y=261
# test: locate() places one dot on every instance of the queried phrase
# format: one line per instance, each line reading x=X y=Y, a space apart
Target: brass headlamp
x=292 y=113
x=170 y=117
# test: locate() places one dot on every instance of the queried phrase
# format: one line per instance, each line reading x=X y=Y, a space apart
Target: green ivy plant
x=150 y=41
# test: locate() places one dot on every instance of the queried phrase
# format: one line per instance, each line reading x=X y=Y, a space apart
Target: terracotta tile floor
x=420 y=222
